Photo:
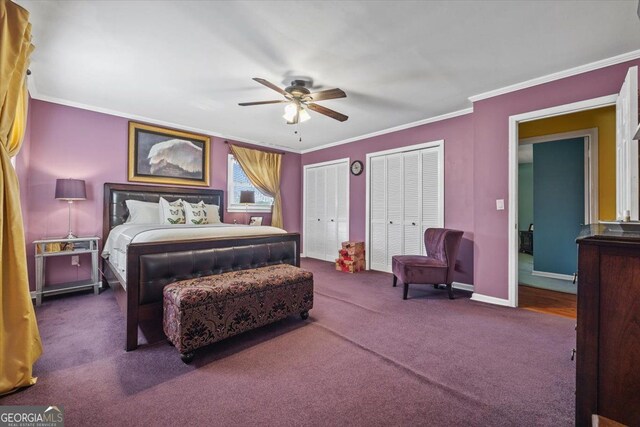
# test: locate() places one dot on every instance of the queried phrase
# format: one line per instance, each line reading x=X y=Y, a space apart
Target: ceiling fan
x=299 y=98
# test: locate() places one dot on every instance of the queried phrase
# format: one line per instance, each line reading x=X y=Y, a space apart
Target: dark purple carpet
x=364 y=357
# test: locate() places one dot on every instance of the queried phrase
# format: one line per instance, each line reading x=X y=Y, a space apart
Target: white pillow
x=171 y=213
x=195 y=213
x=213 y=214
x=142 y=212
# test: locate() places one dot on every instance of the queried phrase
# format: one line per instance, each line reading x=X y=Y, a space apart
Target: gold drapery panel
x=20 y=344
x=263 y=170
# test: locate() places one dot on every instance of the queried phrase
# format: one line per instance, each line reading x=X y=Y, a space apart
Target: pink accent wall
x=458 y=180
x=67 y=142
x=476 y=169
x=491 y=167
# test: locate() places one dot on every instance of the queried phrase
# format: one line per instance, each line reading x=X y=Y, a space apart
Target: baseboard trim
x=490 y=300
x=463 y=286
x=552 y=275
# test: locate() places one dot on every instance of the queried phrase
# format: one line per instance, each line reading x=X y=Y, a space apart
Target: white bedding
x=115 y=248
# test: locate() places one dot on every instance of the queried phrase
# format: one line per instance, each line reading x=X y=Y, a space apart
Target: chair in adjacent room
x=436 y=268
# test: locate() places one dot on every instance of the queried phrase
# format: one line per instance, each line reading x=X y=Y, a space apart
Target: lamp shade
x=247 y=197
x=70 y=189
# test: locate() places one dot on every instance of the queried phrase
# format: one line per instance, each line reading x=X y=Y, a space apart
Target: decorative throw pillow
x=195 y=213
x=213 y=214
x=142 y=212
x=171 y=213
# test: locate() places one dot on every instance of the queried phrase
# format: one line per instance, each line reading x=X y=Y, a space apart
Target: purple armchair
x=436 y=267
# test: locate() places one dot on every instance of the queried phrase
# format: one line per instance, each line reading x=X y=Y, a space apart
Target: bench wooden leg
x=187 y=357
x=304 y=315
x=395 y=280
x=450 y=289
x=406 y=291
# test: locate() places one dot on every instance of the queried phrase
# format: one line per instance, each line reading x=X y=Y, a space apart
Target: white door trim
x=591 y=203
x=439 y=144
x=514 y=120
x=346 y=160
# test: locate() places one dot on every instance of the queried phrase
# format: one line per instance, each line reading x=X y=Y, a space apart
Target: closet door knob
x=390 y=222
x=332 y=220
x=318 y=219
x=413 y=223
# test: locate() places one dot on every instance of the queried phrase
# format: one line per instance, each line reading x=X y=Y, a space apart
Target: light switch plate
x=500 y=204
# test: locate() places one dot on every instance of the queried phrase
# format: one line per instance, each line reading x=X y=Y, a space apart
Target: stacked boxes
x=351 y=258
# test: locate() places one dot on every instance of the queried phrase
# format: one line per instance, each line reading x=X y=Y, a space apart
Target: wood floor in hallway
x=546 y=301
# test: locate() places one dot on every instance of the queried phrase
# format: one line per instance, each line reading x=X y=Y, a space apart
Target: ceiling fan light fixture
x=304 y=116
x=295 y=113
x=290 y=113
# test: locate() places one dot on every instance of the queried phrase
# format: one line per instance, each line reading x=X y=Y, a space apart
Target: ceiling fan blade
x=245 y=104
x=327 y=94
x=327 y=112
x=272 y=86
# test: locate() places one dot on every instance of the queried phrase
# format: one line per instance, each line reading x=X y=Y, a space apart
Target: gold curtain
x=263 y=170
x=20 y=344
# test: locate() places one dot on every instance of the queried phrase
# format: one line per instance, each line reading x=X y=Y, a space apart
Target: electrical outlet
x=75 y=260
x=500 y=204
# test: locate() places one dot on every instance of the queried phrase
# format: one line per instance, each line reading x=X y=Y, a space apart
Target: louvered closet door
x=326 y=202
x=331 y=214
x=395 y=217
x=321 y=206
x=378 y=214
x=431 y=189
x=343 y=205
x=311 y=216
x=412 y=203
x=405 y=198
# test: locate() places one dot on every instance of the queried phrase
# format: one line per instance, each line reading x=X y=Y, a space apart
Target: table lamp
x=246 y=198
x=70 y=190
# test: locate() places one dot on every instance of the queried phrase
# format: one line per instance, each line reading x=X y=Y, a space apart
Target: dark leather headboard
x=115 y=195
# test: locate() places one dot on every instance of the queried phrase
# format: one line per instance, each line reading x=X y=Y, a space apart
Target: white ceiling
x=189 y=63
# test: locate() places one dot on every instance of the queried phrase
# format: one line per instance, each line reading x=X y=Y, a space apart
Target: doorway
x=575 y=158
x=557 y=194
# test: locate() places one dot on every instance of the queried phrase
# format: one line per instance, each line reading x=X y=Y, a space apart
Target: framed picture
x=255 y=220
x=166 y=156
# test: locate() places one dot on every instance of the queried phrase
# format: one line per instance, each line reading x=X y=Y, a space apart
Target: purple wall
x=491 y=140
x=68 y=142
x=458 y=177
x=476 y=169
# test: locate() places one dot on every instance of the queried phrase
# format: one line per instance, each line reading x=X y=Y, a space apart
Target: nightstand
x=65 y=247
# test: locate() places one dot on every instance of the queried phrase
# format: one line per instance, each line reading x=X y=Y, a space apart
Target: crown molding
x=393 y=129
x=629 y=56
x=35 y=95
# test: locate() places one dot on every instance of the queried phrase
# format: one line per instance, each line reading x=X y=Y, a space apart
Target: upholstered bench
x=204 y=310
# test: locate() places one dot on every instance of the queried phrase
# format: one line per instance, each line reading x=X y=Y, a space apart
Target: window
x=237 y=181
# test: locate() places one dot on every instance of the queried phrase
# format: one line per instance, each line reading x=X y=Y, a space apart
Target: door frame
x=514 y=121
x=346 y=160
x=439 y=144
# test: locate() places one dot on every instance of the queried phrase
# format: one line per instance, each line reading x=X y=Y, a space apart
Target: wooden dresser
x=608 y=342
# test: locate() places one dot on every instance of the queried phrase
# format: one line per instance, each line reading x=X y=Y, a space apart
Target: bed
x=156 y=257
